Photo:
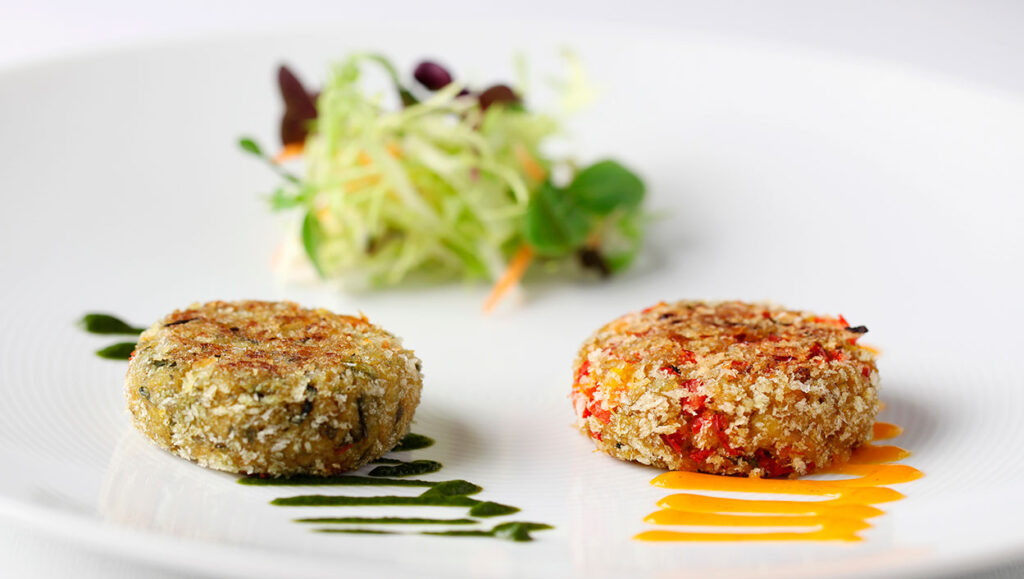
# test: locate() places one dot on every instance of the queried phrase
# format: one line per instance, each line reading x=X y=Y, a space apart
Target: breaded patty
x=727 y=388
x=272 y=388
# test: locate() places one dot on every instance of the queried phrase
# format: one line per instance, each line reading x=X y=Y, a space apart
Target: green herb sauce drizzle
x=514 y=531
x=96 y=323
x=413 y=441
x=451 y=493
x=106 y=324
x=119 y=351
x=387 y=520
x=415 y=467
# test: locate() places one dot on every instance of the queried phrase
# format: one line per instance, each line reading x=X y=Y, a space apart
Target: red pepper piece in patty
x=695 y=403
x=701 y=455
x=817 y=351
x=677 y=440
x=770 y=465
x=599 y=412
x=714 y=422
x=583 y=371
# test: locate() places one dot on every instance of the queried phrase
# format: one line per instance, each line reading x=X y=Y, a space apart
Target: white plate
x=823 y=184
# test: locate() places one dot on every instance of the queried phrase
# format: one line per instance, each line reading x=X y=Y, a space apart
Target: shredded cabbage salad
x=453 y=184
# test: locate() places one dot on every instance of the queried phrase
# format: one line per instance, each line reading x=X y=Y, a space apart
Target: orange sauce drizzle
x=833 y=510
x=873 y=349
x=885 y=431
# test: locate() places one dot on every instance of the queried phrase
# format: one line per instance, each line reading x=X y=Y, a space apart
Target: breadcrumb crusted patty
x=726 y=388
x=272 y=388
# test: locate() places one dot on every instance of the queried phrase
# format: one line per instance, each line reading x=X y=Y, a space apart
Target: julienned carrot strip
x=513 y=273
x=290 y=151
x=293 y=150
x=530 y=164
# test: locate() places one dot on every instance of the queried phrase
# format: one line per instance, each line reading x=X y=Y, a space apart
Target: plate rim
x=151 y=547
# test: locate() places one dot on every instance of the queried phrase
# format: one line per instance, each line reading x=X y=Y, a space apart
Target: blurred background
x=978 y=44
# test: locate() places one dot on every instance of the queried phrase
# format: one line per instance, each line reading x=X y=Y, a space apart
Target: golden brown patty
x=272 y=388
x=726 y=388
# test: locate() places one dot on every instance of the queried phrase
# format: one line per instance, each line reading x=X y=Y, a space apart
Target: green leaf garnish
x=606 y=186
x=281 y=199
x=312 y=237
x=250 y=146
x=407 y=97
x=96 y=323
x=628 y=233
x=554 y=225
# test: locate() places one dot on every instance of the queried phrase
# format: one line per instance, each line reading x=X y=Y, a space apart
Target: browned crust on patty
x=727 y=388
x=272 y=388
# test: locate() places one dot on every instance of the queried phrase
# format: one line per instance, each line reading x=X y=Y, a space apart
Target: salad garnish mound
x=451 y=182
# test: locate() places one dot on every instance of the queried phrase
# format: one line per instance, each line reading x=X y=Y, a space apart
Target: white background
x=976 y=43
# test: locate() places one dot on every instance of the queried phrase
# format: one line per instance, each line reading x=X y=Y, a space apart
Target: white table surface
x=978 y=43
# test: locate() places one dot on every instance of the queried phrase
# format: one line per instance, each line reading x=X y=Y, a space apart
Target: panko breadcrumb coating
x=272 y=388
x=727 y=388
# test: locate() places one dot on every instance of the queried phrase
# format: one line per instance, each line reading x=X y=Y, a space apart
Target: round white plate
x=835 y=186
